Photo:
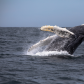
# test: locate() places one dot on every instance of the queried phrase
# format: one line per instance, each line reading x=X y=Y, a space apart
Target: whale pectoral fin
x=62 y=32
x=44 y=42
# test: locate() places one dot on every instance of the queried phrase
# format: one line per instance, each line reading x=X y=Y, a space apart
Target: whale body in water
x=63 y=40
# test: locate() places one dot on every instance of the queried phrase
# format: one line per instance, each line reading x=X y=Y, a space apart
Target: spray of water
x=39 y=52
x=51 y=53
x=48 y=53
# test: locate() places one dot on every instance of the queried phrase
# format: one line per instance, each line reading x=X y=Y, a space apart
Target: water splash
x=50 y=53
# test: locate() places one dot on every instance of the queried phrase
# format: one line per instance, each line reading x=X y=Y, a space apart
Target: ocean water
x=18 y=66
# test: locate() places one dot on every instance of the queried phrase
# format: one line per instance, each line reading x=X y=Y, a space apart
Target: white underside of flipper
x=43 y=42
x=62 y=32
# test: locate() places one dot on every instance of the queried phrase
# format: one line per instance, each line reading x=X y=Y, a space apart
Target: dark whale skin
x=68 y=44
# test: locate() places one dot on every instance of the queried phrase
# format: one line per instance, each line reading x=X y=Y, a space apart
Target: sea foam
x=49 y=53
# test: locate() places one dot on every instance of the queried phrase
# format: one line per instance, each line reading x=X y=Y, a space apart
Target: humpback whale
x=63 y=40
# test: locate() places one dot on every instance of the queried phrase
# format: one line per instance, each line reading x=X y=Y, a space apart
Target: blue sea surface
x=17 y=66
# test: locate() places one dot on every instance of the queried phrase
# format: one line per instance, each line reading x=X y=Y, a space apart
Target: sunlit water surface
x=18 y=66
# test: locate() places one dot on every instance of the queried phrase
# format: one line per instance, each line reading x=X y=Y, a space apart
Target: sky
x=37 y=13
